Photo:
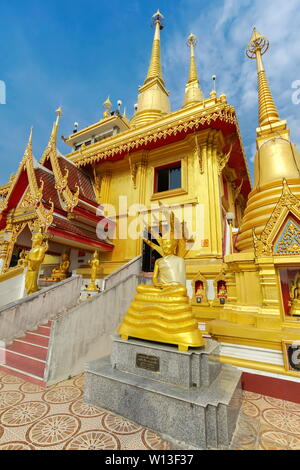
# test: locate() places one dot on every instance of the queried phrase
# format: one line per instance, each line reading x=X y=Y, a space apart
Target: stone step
x=24 y=363
x=26 y=356
x=198 y=418
x=35 y=338
x=22 y=375
x=28 y=349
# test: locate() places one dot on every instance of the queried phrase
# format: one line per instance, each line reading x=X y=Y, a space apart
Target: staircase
x=27 y=325
x=26 y=356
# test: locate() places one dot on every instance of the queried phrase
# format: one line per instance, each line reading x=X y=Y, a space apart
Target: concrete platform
x=188 y=397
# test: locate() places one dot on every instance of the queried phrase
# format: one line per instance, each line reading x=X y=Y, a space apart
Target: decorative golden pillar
x=210 y=149
x=3 y=255
x=269 y=312
x=9 y=239
x=105 y=179
x=138 y=167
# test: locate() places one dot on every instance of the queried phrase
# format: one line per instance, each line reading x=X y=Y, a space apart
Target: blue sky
x=75 y=53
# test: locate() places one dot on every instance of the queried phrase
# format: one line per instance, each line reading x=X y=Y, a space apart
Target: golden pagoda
x=259 y=324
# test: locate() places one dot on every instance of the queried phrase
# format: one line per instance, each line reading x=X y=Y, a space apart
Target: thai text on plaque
x=143 y=361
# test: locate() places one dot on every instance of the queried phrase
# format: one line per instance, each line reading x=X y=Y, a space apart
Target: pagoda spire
x=153 y=99
x=257 y=46
x=276 y=159
x=193 y=93
x=155 y=69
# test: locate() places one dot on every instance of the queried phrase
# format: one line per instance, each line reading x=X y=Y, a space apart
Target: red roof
x=79 y=233
x=79 y=177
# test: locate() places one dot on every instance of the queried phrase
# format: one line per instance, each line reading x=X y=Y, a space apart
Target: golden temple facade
x=243 y=258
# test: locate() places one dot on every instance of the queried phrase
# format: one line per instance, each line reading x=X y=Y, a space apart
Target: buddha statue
x=162 y=312
x=222 y=292
x=94 y=263
x=22 y=258
x=200 y=292
x=295 y=296
x=62 y=271
x=34 y=260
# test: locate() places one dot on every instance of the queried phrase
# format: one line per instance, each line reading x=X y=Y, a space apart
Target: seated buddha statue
x=295 y=296
x=62 y=271
x=162 y=312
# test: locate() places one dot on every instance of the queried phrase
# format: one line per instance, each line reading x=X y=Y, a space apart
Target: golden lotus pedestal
x=162 y=318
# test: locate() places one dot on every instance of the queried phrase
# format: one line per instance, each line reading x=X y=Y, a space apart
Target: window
x=167 y=178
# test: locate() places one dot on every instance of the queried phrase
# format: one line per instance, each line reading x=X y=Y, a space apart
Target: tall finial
x=193 y=93
x=191 y=42
x=257 y=46
x=155 y=69
x=59 y=112
x=107 y=106
x=153 y=99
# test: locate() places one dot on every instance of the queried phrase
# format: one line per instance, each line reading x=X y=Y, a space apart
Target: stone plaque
x=143 y=361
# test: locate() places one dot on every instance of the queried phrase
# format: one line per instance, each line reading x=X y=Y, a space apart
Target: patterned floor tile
x=56 y=417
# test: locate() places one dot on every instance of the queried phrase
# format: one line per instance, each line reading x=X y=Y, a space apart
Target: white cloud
x=223 y=33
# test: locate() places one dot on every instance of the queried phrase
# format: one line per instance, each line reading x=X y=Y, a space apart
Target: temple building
x=242 y=265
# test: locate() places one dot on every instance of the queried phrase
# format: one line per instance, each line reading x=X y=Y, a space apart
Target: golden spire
x=153 y=99
x=35 y=196
x=257 y=46
x=107 y=106
x=155 y=64
x=276 y=156
x=193 y=93
x=68 y=199
x=36 y=192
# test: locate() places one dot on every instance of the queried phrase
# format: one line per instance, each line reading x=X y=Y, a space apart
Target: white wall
x=12 y=289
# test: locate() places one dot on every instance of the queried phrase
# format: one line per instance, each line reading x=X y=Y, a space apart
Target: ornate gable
x=288 y=242
x=281 y=235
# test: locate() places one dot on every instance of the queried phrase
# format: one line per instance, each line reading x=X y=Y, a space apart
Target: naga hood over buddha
x=162 y=312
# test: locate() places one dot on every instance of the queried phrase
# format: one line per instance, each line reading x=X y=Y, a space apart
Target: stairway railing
x=132 y=267
x=84 y=332
x=26 y=314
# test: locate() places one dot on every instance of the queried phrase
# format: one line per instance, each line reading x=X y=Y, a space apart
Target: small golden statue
x=22 y=258
x=34 y=260
x=62 y=272
x=295 y=296
x=94 y=263
x=162 y=312
x=200 y=292
x=222 y=292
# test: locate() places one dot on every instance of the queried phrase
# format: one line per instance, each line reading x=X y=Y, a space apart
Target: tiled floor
x=267 y=423
x=58 y=418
